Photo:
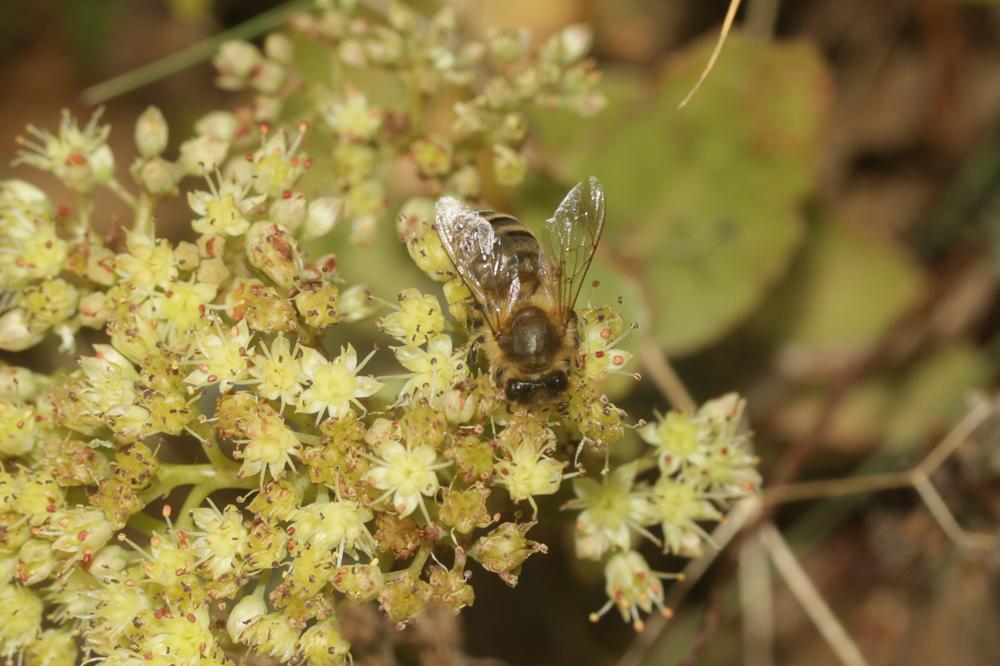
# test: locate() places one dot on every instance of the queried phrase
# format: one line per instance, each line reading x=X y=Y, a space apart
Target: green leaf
x=846 y=289
x=703 y=202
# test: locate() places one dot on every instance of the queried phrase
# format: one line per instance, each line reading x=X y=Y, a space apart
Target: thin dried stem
x=664 y=376
x=758 y=604
x=946 y=519
x=807 y=490
x=981 y=410
x=192 y=55
x=727 y=25
x=809 y=597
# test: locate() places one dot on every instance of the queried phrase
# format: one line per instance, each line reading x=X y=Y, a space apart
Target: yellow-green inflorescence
x=211 y=478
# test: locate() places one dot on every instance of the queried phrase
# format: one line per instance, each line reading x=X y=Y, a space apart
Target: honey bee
x=524 y=322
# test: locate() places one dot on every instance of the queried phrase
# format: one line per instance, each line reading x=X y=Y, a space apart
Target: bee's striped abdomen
x=516 y=241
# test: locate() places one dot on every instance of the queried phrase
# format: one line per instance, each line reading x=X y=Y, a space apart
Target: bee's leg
x=473 y=357
x=476 y=338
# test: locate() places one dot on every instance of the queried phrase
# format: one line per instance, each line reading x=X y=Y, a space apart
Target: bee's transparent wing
x=570 y=238
x=490 y=273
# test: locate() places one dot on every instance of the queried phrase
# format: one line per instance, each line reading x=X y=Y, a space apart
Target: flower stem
x=170 y=476
x=122 y=193
x=144 y=215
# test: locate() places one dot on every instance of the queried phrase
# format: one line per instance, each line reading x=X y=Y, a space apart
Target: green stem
x=210 y=445
x=120 y=191
x=170 y=476
x=85 y=207
x=146 y=524
x=192 y=55
x=144 y=215
x=419 y=560
x=193 y=501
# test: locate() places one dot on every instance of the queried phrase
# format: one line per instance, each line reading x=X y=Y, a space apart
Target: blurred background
x=819 y=230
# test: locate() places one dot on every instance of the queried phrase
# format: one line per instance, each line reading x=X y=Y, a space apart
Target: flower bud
x=267 y=77
x=94 y=310
x=21 y=194
x=322 y=216
x=458 y=405
x=20 y=617
x=316 y=303
x=213 y=271
x=210 y=246
x=35 y=561
x=277 y=500
x=272 y=250
x=289 y=211
x=432 y=155
x=509 y=165
x=100 y=265
x=279 y=47
x=568 y=45
x=266 y=108
x=450 y=588
x=386 y=47
x=262 y=306
x=246 y=610
x=234 y=61
x=15 y=335
x=401 y=17
x=156 y=176
x=323 y=645
x=512 y=129
x=109 y=562
x=77 y=173
x=151 y=132
x=359 y=582
x=220 y=125
x=202 y=154
x=356 y=303
x=465 y=182
x=102 y=161
x=505 y=549
x=19 y=383
x=465 y=510
x=423 y=243
x=353 y=118
x=404 y=598
x=507 y=45
x=55 y=647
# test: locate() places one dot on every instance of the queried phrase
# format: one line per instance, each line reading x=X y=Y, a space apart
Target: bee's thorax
x=531 y=340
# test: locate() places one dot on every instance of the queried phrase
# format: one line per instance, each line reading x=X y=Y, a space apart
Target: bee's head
x=536 y=390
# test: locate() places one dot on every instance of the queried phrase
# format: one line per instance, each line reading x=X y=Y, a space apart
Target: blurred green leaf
x=704 y=201
x=846 y=289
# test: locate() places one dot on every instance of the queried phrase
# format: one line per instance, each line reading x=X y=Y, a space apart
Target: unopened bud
x=151 y=132
x=289 y=211
x=156 y=176
x=322 y=216
x=14 y=332
x=509 y=165
x=234 y=61
x=279 y=47
x=272 y=250
x=246 y=610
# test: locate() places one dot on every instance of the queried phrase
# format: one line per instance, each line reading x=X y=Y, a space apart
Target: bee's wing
x=477 y=252
x=570 y=238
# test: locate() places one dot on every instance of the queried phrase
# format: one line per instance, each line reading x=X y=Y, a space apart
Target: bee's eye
x=556 y=382
x=518 y=390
